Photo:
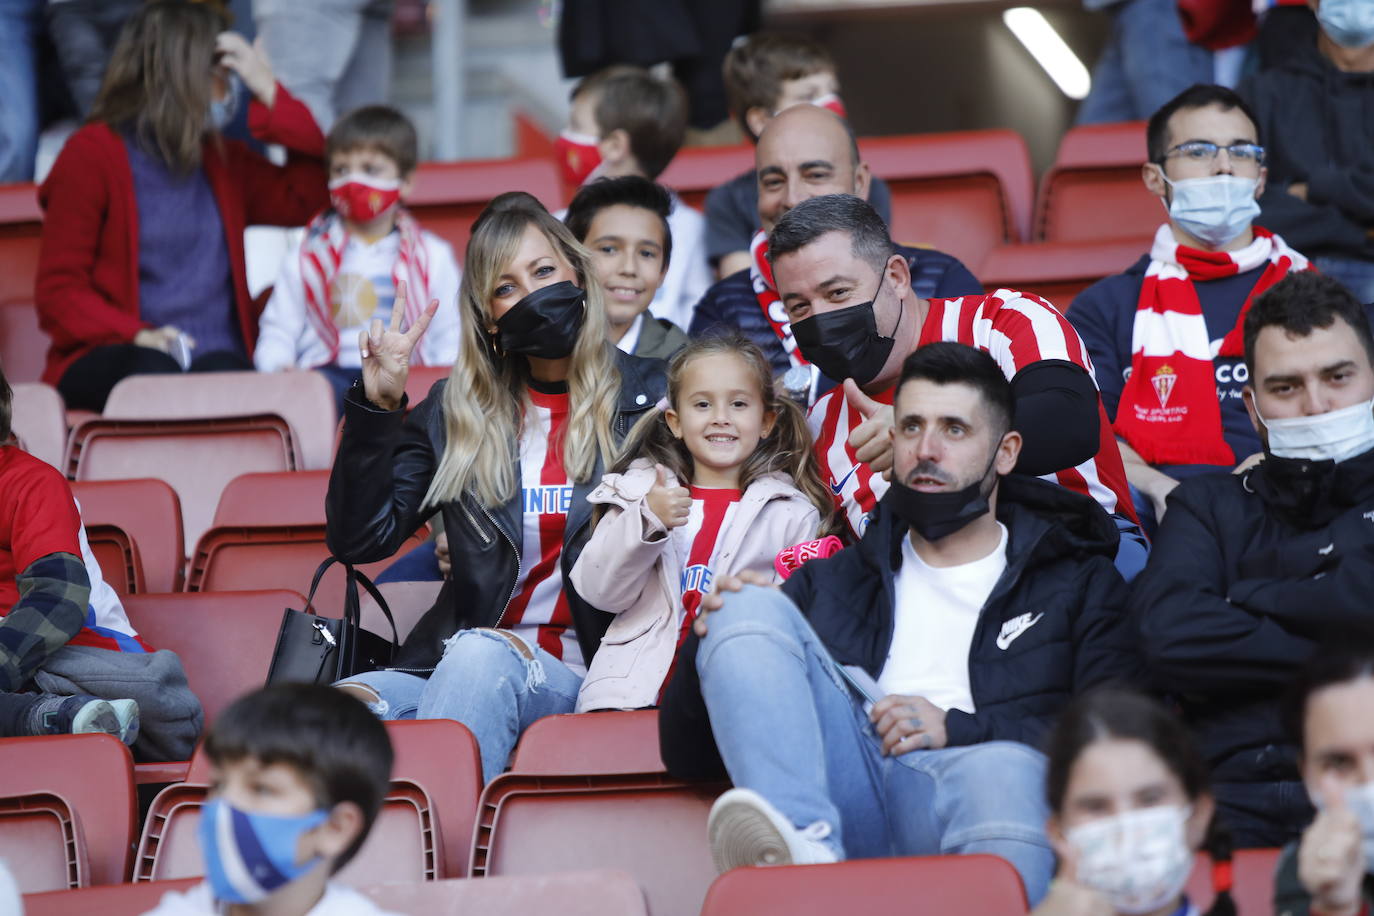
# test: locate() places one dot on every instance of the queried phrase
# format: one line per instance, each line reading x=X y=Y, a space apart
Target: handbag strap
x=352 y=610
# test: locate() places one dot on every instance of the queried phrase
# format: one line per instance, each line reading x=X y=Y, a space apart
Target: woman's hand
x=250 y=63
x=161 y=338
x=386 y=354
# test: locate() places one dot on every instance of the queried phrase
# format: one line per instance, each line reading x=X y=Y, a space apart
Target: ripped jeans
x=493 y=683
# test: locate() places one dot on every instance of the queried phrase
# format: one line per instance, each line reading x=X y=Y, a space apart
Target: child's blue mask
x=249 y=856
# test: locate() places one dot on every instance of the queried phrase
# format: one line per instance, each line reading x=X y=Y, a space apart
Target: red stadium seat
x=110 y=900
x=21 y=227
x=595 y=743
x=304 y=399
x=963 y=193
x=143 y=514
x=651 y=826
x=590 y=893
x=583 y=893
x=695 y=170
x=422 y=832
x=448 y=196
x=197 y=457
x=90 y=776
x=985 y=885
x=1094 y=190
x=269 y=532
x=225 y=640
x=40 y=421
x=1057 y=271
x=1252 y=881
x=421 y=379
x=23 y=345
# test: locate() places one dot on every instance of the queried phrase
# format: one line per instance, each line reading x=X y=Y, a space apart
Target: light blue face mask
x=1214 y=209
x=249 y=856
x=222 y=111
x=1349 y=23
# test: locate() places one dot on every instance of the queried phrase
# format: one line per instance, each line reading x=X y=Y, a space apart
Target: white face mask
x=1360 y=800
x=1349 y=23
x=1332 y=436
x=1140 y=860
x=1214 y=209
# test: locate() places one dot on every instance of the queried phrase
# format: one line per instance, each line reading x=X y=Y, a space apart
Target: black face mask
x=937 y=515
x=544 y=324
x=845 y=343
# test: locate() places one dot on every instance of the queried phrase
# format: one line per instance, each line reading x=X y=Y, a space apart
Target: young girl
x=1130 y=809
x=754 y=489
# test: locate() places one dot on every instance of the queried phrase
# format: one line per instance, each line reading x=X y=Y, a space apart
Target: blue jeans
x=489 y=683
x=1146 y=62
x=19 y=20
x=1357 y=275
x=788 y=728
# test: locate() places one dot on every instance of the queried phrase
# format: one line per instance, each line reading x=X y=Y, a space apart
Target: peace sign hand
x=386 y=353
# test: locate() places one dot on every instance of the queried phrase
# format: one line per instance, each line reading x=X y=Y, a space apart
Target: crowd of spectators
x=1084 y=587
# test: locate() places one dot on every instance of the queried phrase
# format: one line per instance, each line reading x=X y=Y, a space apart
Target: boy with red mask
x=344 y=272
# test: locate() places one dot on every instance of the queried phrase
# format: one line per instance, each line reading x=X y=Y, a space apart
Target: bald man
x=806 y=152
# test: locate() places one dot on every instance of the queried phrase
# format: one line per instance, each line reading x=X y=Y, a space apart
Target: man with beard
x=889 y=700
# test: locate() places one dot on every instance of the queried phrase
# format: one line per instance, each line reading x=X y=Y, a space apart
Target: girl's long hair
x=486 y=395
x=1110 y=713
x=158 y=82
x=786 y=448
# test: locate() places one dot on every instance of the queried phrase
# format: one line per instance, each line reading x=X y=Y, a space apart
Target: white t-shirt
x=936 y=614
x=199 y=901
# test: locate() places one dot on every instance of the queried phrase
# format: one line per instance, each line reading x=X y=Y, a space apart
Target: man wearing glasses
x=1165 y=336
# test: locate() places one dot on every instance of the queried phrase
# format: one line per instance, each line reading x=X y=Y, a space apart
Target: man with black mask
x=889 y=700
x=1251 y=570
x=850 y=300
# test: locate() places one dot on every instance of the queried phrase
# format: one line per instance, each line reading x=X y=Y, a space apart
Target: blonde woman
x=507 y=449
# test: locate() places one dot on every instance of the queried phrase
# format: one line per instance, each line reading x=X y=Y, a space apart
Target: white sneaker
x=744 y=829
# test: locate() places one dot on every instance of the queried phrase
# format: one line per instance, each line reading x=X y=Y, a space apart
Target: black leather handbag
x=313 y=649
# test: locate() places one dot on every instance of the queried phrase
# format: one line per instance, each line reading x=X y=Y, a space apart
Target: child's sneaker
x=82 y=714
x=744 y=829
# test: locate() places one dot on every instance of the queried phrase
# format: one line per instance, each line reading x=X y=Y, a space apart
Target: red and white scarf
x=766 y=291
x=1169 y=411
x=322 y=254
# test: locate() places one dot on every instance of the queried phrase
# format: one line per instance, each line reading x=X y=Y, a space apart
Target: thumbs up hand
x=671 y=505
x=870 y=441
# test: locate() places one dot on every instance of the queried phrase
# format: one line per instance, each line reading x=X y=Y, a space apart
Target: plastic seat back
x=1057 y=271
x=1094 y=190
x=92 y=775
x=144 y=514
x=1252 y=881
x=986 y=885
x=304 y=399
x=39 y=420
x=117 y=556
x=440 y=756
x=449 y=196
x=42 y=844
x=225 y=640
x=196 y=457
x=603 y=892
x=421 y=379
x=651 y=826
x=585 y=744
x=964 y=192
x=23 y=345
x=695 y=170
x=110 y=900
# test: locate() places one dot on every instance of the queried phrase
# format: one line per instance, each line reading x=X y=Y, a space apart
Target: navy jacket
x=1060 y=547
x=731 y=303
x=1246 y=574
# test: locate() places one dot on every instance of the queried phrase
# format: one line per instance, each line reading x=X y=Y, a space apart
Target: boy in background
x=764 y=74
x=344 y=272
x=626 y=121
x=624 y=224
x=299 y=772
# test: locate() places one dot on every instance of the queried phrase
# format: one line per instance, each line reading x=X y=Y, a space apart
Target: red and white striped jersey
x=539 y=612
x=712 y=512
x=1016 y=329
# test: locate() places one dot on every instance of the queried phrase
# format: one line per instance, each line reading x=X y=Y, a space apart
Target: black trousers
x=87 y=382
